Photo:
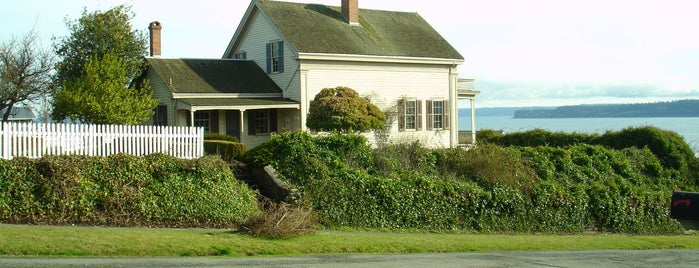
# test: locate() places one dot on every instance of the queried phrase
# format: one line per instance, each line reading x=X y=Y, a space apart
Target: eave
x=384 y=59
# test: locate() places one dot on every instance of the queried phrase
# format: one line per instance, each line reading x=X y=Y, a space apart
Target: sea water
x=687 y=127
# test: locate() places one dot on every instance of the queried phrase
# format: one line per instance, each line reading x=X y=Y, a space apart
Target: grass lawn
x=51 y=241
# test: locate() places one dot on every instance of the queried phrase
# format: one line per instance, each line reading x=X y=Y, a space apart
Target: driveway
x=606 y=258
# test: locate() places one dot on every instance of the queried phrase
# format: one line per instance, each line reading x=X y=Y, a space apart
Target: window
x=242 y=55
x=275 y=57
x=160 y=116
x=410 y=117
x=201 y=119
x=437 y=115
x=262 y=121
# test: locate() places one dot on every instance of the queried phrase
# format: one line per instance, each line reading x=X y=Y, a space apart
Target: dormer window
x=275 y=57
x=241 y=55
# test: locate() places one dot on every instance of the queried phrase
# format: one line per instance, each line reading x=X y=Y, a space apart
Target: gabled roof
x=212 y=76
x=20 y=113
x=313 y=28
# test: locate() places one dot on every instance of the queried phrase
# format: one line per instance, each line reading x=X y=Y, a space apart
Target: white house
x=395 y=59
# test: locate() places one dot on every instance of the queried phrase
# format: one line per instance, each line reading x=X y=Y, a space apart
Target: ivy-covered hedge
x=123 y=190
x=577 y=188
x=669 y=147
x=227 y=150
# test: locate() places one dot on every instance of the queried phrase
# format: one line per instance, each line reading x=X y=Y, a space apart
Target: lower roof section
x=241 y=104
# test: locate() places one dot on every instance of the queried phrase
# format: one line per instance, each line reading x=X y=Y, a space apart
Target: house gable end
x=245 y=26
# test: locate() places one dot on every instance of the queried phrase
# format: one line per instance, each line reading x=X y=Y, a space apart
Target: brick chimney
x=155 y=28
x=350 y=10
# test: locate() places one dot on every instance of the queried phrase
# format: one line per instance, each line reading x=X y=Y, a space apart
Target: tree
x=25 y=72
x=99 y=96
x=99 y=61
x=342 y=109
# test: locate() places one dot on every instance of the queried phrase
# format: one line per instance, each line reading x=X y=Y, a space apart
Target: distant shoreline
x=681 y=108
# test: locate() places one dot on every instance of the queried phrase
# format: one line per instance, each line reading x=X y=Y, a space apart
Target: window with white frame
x=241 y=55
x=437 y=115
x=275 y=57
x=410 y=114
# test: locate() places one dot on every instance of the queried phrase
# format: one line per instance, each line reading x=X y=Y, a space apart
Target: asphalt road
x=606 y=258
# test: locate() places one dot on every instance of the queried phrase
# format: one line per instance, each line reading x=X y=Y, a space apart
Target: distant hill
x=681 y=108
x=498 y=111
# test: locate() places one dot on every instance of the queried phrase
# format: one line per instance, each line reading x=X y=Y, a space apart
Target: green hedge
x=220 y=137
x=578 y=188
x=227 y=150
x=669 y=147
x=123 y=190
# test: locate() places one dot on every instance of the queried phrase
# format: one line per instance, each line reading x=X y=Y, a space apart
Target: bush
x=281 y=220
x=123 y=190
x=228 y=150
x=575 y=188
x=668 y=146
x=219 y=137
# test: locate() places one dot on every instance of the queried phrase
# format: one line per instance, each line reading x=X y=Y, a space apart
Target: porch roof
x=236 y=104
x=211 y=76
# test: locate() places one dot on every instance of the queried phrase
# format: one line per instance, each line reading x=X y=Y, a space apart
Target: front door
x=233 y=123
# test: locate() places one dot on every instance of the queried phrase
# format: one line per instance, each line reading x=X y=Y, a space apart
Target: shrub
x=219 y=137
x=488 y=136
x=393 y=158
x=668 y=146
x=488 y=188
x=227 y=150
x=123 y=190
x=281 y=220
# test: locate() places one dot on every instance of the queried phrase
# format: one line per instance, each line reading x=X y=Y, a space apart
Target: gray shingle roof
x=212 y=76
x=313 y=28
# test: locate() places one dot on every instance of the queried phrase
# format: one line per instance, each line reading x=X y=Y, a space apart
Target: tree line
x=680 y=108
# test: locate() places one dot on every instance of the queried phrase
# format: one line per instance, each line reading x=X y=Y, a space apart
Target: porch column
x=305 y=100
x=473 y=120
x=453 y=109
x=242 y=124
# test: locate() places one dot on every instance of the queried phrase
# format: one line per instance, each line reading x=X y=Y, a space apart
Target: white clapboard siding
x=36 y=140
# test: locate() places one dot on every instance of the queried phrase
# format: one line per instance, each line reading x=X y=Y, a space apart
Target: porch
x=465 y=90
x=250 y=120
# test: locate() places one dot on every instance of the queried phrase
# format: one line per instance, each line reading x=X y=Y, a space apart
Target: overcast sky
x=521 y=53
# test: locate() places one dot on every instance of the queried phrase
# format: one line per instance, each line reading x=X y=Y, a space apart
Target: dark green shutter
x=269 y=58
x=251 y=122
x=213 y=121
x=273 y=120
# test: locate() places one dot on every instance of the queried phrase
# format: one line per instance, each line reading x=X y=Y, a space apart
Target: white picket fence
x=36 y=140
